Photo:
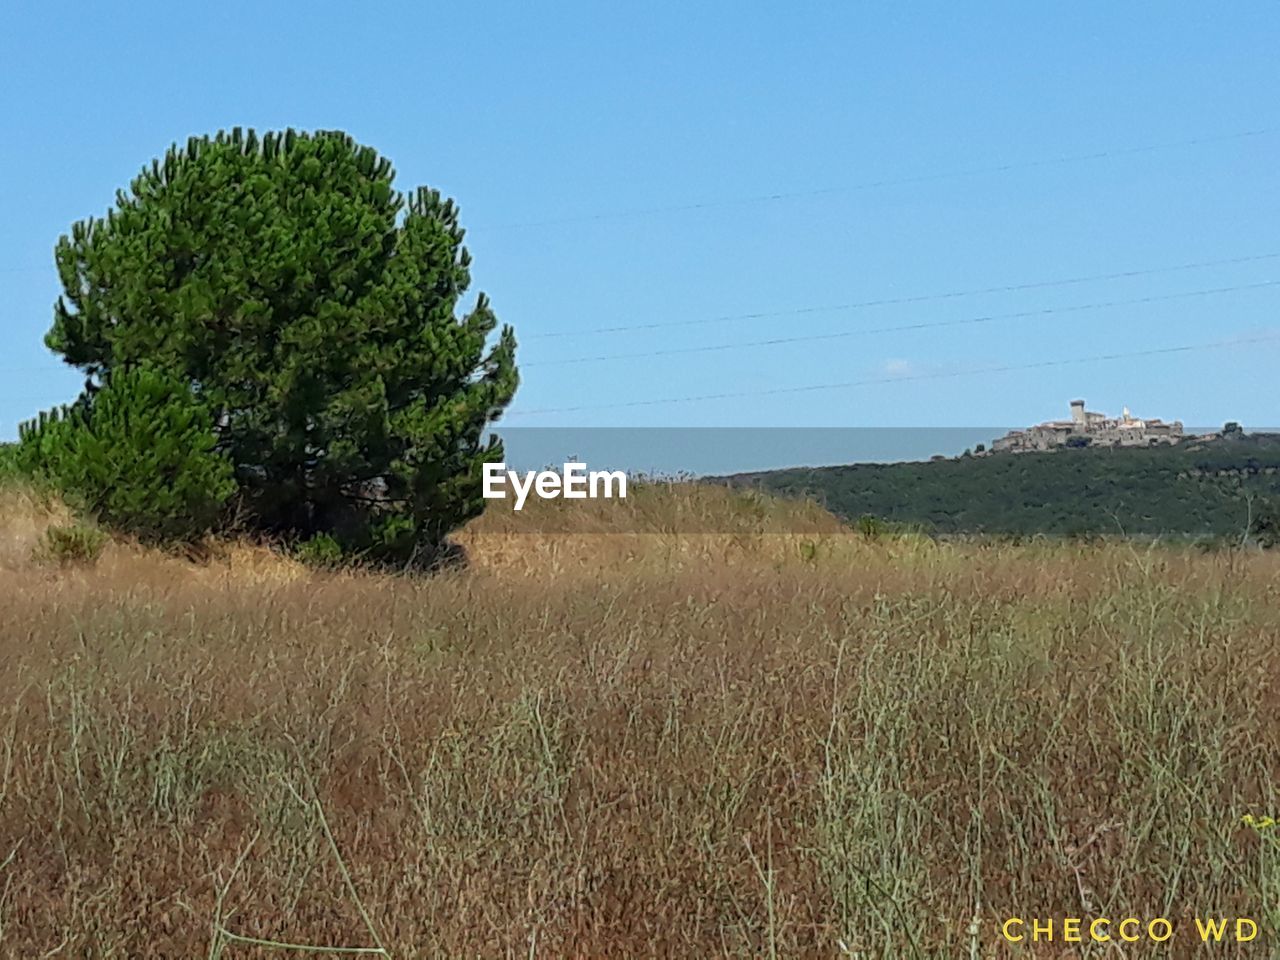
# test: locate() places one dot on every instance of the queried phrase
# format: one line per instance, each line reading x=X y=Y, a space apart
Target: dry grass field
x=621 y=744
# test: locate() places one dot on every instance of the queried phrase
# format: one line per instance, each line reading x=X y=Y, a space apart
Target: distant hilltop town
x=1089 y=429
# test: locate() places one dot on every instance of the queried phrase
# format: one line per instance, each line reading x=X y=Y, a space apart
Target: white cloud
x=899 y=368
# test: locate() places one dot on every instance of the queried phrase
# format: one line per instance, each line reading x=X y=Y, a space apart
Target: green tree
x=138 y=454
x=1265 y=527
x=315 y=310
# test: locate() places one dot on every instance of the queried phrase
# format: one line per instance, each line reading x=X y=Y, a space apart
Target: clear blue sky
x=534 y=113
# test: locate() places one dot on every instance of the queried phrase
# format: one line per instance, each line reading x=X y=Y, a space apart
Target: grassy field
x=646 y=744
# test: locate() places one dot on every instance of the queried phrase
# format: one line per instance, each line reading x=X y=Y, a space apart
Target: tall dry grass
x=633 y=745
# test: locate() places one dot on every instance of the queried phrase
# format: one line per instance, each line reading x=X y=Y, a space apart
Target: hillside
x=1195 y=489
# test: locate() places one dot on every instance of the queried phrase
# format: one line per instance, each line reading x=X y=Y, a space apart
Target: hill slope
x=1194 y=489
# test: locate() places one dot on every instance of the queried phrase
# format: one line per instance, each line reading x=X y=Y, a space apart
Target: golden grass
x=24 y=517
x=632 y=744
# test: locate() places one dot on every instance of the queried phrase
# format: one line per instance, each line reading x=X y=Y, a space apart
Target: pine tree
x=314 y=310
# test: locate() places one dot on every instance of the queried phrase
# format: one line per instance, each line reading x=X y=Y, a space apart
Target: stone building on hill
x=1087 y=428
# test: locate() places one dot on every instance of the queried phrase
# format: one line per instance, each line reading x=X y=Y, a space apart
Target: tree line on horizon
x=1226 y=490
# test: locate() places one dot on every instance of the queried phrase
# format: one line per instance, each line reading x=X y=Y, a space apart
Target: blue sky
x=568 y=131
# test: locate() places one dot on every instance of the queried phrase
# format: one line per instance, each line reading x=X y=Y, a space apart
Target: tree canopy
x=316 y=312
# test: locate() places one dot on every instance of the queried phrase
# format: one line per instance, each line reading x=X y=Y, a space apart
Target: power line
x=923 y=325
x=811 y=388
x=849 y=384
x=896 y=328
x=895 y=301
x=782 y=196
x=891 y=181
x=850 y=188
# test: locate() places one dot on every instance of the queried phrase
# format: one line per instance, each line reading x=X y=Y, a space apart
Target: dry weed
x=622 y=744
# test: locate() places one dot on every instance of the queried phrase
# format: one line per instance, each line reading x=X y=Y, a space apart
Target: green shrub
x=9 y=468
x=70 y=545
x=321 y=551
x=138 y=454
x=1265 y=528
x=871 y=528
